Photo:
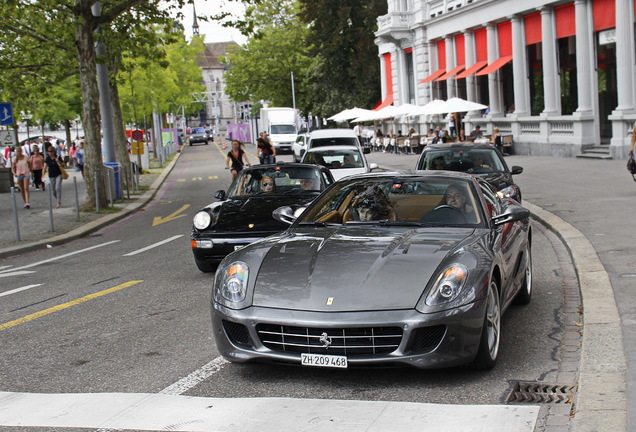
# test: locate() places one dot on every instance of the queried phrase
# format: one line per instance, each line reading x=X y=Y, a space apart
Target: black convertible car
x=243 y=214
x=482 y=160
x=408 y=268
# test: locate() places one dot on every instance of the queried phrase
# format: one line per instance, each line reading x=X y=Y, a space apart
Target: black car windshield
x=335 y=159
x=479 y=160
x=404 y=201
x=271 y=180
x=197 y=131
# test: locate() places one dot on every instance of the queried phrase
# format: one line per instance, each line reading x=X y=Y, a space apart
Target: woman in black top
x=52 y=164
x=237 y=158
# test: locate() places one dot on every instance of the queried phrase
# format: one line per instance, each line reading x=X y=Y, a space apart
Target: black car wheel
x=525 y=293
x=205 y=267
x=491 y=331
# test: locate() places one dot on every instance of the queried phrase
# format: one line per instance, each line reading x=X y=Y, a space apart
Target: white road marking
x=60 y=257
x=16 y=273
x=5 y=267
x=144 y=411
x=152 y=246
x=201 y=374
x=17 y=290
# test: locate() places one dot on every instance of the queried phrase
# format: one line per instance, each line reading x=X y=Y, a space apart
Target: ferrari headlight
x=233 y=283
x=202 y=220
x=448 y=285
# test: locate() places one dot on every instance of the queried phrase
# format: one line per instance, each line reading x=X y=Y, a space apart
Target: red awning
x=388 y=100
x=471 y=70
x=450 y=73
x=494 y=66
x=434 y=75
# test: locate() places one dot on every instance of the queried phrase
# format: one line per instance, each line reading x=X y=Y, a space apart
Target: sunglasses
x=51 y=151
x=267 y=184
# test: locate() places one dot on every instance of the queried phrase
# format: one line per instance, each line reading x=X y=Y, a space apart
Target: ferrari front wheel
x=491 y=331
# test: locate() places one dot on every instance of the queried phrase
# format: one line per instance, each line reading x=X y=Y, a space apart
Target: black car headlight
x=448 y=285
x=203 y=220
x=231 y=282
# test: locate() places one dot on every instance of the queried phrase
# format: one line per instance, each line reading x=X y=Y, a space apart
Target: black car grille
x=351 y=342
x=425 y=339
x=237 y=333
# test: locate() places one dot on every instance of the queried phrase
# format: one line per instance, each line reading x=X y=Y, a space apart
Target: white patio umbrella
x=349 y=114
x=433 y=107
x=387 y=112
x=460 y=105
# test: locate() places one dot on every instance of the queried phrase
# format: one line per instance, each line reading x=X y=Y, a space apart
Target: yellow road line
x=60 y=307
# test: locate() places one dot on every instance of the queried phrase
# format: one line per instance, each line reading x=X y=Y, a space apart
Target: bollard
x=77 y=212
x=110 y=188
x=51 y=207
x=15 y=214
x=96 y=192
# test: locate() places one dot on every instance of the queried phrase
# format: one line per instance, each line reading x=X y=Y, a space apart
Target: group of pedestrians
x=28 y=164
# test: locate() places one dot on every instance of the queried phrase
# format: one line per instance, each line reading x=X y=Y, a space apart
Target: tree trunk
x=90 y=106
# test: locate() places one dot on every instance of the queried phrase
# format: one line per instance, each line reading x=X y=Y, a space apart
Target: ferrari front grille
x=352 y=342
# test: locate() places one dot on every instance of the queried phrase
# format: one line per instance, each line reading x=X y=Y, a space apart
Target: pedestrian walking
x=79 y=158
x=237 y=158
x=37 y=165
x=21 y=168
x=53 y=164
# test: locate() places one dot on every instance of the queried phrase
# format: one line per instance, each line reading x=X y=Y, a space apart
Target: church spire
x=195 y=25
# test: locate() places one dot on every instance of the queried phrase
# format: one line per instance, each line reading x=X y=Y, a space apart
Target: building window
x=535 y=79
x=410 y=77
x=567 y=72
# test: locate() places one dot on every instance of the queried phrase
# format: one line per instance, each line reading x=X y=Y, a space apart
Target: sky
x=213 y=32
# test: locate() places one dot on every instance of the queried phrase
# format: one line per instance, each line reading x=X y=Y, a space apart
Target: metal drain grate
x=534 y=392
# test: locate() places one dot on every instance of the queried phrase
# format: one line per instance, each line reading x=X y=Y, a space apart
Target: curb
x=601 y=399
x=95 y=225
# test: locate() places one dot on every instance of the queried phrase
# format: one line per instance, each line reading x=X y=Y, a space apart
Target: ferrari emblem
x=250 y=226
x=329 y=301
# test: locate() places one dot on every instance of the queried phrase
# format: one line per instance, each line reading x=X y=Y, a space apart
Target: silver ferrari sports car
x=411 y=268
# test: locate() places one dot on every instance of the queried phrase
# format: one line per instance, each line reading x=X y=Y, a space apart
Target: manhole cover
x=534 y=392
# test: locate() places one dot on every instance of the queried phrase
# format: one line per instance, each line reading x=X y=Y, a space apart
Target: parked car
x=341 y=160
x=243 y=214
x=381 y=269
x=299 y=147
x=331 y=137
x=482 y=160
x=198 y=135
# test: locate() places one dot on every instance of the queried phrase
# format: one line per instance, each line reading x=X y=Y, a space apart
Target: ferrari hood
x=353 y=268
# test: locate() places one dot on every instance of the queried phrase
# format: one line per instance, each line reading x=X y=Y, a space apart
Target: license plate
x=322 y=360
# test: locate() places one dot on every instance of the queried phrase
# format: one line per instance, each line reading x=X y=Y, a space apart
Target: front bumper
x=212 y=250
x=451 y=337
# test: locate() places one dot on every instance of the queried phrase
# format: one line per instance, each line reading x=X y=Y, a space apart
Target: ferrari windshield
x=435 y=200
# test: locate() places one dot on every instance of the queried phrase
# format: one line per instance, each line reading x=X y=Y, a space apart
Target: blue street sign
x=6 y=114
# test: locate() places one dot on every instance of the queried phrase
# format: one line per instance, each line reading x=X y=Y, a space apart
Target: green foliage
x=262 y=68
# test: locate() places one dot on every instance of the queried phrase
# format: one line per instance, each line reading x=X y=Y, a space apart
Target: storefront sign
x=607 y=37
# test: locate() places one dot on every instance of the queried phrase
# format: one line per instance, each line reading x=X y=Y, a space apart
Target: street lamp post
x=27 y=116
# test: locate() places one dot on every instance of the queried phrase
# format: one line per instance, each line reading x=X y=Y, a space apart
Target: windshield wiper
x=319 y=223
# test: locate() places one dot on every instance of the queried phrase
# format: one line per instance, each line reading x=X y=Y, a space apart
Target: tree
x=346 y=70
x=278 y=46
x=32 y=31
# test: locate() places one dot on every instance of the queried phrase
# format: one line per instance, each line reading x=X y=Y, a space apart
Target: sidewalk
x=34 y=224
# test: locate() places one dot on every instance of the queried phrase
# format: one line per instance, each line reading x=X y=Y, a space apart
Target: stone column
x=625 y=55
x=494 y=90
x=450 y=63
x=519 y=67
x=469 y=43
x=583 y=60
x=551 y=87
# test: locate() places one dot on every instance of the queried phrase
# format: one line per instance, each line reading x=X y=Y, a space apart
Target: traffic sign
x=137 y=135
x=137 y=148
x=7 y=138
x=6 y=113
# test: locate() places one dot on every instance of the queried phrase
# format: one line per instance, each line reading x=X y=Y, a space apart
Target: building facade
x=219 y=110
x=559 y=76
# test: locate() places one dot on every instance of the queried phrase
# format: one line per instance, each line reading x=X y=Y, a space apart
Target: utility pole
x=293 y=91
